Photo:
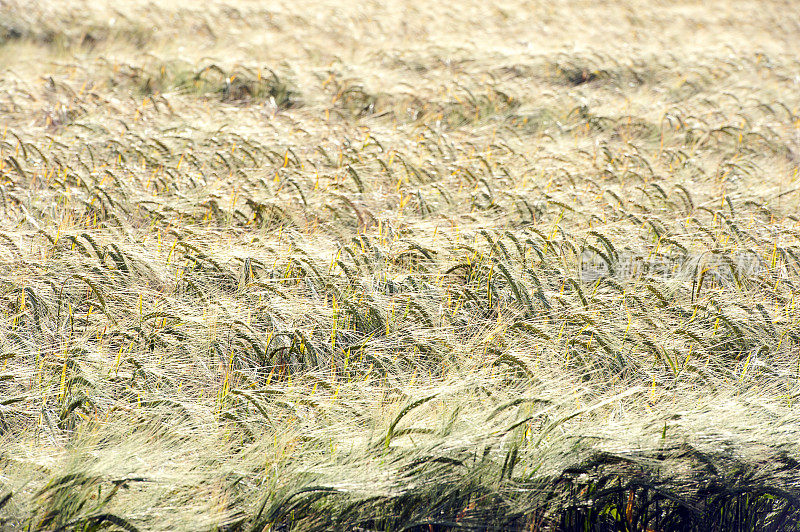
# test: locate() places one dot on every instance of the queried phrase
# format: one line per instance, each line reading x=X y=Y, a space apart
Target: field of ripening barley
x=399 y=265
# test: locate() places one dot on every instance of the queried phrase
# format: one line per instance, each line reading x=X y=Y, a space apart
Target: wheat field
x=384 y=266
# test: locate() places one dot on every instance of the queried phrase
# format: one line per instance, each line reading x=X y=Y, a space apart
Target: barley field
x=399 y=266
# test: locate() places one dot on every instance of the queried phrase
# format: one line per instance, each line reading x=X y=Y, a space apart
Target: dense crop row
x=396 y=287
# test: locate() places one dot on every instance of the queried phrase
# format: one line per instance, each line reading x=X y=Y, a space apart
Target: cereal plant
x=387 y=266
